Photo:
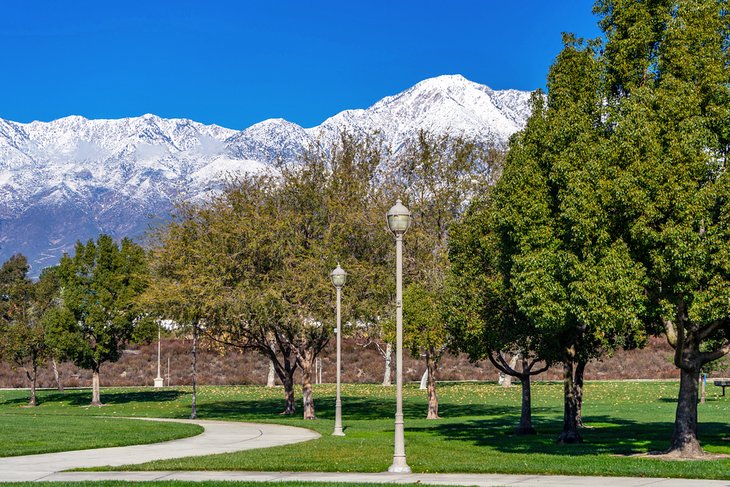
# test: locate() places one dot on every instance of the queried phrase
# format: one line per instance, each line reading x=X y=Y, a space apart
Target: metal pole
x=159 y=381
x=338 y=403
x=159 y=348
x=399 y=456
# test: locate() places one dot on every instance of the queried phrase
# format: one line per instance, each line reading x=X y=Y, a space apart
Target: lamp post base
x=399 y=466
x=159 y=382
x=338 y=432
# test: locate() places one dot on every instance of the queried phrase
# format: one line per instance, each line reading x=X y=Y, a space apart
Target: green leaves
x=99 y=286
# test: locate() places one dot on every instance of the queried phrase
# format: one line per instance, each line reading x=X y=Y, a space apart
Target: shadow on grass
x=354 y=408
x=83 y=397
x=614 y=436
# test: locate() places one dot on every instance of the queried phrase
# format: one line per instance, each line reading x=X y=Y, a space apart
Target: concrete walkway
x=229 y=436
x=218 y=437
x=486 y=480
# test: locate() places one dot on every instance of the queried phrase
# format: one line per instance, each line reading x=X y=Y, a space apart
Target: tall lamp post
x=159 y=381
x=338 y=276
x=399 y=219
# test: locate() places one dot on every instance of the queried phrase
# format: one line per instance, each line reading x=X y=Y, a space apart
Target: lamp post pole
x=398 y=222
x=159 y=381
x=338 y=279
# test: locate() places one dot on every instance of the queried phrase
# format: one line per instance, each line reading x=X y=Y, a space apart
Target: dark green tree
x=99 y=287
x=571 y=271
x=483 y=316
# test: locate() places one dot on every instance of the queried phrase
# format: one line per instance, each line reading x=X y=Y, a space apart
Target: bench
x=722 y=383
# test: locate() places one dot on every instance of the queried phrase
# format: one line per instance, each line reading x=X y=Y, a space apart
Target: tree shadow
x=612 y=436
x=83 y=398
x=356 y=408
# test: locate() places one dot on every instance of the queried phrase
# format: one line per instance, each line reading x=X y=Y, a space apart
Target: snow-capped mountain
x=74 y=178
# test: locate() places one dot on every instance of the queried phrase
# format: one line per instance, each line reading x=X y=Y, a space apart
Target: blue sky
x=236 y=63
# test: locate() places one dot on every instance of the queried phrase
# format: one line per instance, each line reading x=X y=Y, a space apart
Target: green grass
x=37 y=433
x=475 y=434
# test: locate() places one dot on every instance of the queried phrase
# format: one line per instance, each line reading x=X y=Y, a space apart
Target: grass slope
x=475 y=434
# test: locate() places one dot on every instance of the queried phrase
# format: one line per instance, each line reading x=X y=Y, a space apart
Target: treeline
x=610 y=223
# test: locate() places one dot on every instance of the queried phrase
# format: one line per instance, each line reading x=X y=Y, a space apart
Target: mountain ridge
x=72 y=178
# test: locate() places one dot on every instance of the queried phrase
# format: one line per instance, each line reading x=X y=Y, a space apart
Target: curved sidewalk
x=218 y=437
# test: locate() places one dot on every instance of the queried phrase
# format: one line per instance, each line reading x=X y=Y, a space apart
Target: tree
x=668 y=84
x=266 y=247
x=99 y=286
x=24 y=341
x=483 y=316
x=570 y=265
x=423 y=322
x=436 y=176
x=180 y=287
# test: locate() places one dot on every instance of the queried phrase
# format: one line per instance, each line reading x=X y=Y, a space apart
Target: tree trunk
x=433 y=401
x=578 y=386
x=684 y=436
x=194 y=401
x=285 y=371
x=270 y=380
x=570 y=425
x=95 y=389
x=33 y=376
x=525 y=426
x=56 y=375
x=306 y=363
x=289 y=407
x=387 y=372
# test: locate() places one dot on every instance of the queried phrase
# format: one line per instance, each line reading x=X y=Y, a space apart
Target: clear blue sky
x=236 y=63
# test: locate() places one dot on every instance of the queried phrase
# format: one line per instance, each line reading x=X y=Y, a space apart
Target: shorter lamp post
x=338 y=276
x=159 y=381
x=399 y=219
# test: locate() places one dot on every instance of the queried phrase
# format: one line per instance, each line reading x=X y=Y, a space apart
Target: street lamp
x=338 y=276
x=399 y=219
x=159 y=381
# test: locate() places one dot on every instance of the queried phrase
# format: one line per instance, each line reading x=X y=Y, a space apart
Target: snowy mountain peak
x=73 y=178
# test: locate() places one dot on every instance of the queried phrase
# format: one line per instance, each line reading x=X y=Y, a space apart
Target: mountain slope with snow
x=74 y=178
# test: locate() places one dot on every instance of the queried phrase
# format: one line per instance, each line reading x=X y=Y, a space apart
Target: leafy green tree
x=423 y=323
x=181 y=288
x=667 y=70
x=435 y=177
x=99 y=287
x=483 y=316
x=265 y=250
x=571 y=271
x=24 y=332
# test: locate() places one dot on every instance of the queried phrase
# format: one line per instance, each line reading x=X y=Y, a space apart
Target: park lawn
x=29 y=434
x=475 y=434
